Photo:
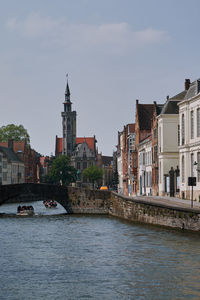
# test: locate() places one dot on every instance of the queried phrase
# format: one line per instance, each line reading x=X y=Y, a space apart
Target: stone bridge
x=26 y=192
x=74 y=200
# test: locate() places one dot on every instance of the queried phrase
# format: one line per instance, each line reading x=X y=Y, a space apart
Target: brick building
x=143 y=128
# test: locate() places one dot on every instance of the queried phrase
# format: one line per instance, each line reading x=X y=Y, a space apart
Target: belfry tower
x=68 y=124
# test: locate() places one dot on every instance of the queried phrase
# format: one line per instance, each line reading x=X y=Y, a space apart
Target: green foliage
x=14 y=132
x=61 y=171
x=93 y=173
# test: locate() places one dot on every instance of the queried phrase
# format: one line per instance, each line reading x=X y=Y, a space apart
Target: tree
x=14 y=132
x=93 y=173
x=61 y=171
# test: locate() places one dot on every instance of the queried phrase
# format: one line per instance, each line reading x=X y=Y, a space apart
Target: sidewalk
x=171 y=201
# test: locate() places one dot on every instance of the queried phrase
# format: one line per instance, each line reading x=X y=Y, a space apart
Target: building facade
x=189 y=142
x=11 y=167
x=145 y=166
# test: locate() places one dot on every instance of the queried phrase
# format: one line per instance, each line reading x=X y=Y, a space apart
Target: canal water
x=57 y=256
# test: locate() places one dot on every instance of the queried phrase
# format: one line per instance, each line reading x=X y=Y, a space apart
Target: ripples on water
x=93 y=257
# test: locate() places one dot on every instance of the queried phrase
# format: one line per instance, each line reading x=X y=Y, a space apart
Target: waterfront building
x=154 y=136
x=145 y=166
x=143 y=128
x=189 y=142
x=28 y=156
x=11 y=167
x=168 y=154
x=126 y=160
x=120 y=163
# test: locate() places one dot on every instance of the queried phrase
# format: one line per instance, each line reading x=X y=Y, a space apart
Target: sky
x=114 y=51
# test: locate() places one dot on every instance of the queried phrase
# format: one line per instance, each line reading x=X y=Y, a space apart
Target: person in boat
x=19 y=208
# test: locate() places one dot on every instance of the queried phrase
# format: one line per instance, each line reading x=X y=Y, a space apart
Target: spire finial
x=67 y=91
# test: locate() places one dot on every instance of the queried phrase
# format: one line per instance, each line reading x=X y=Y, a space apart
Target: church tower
x=68 y=124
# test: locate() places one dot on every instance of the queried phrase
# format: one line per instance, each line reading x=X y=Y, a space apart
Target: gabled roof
x=89 y=140
x=145 y=115
x=17 y=145
x=79 y=140
x=170 y=107
x=193 y=90
x=10 y=154
x=159 y=108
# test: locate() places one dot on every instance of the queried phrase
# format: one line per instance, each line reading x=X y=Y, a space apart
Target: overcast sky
x=115 y=51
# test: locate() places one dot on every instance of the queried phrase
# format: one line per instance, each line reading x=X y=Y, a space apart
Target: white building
x=168 y=154
x=189 y=120
x=145 y=166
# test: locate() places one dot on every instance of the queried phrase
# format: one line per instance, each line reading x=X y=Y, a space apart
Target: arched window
x=183 y=169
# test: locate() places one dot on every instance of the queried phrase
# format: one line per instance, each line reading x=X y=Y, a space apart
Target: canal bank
x=156 y=211
x=162 y=211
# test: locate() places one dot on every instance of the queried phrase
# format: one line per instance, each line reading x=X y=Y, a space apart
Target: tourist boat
x=50 y=203
x=25 y=211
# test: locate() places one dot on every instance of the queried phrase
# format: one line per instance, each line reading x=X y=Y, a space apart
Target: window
x=183 y=129
x=0 y=169
x=159 y=138
x=183 y=169
x=84 y=165
x=178 y=135
x=78 y=166
x=192 y=165
x=0 y=158
x=155 y=133
x=192 y=124
x=155 y=154
x=160 y=172
x=198 y=122
x=4 y=176
x=4 y=164
x=198 y=166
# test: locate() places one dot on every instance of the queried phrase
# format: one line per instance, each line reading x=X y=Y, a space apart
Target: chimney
x=187 y=84
x=10 y=144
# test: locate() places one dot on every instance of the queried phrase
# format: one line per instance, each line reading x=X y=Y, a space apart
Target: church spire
x=67 y=91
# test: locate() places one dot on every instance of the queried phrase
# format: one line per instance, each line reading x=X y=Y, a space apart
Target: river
x=57 y=256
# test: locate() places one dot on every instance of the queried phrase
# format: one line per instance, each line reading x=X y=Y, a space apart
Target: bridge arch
x=13 y=192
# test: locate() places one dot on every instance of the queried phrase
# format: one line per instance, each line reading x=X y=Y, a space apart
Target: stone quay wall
x=142 y=211
x=86 y=201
